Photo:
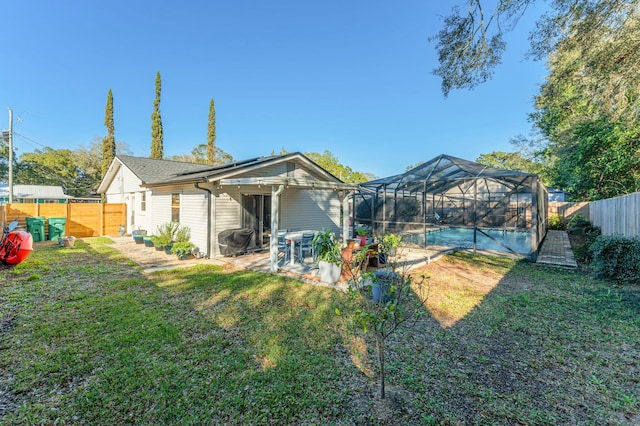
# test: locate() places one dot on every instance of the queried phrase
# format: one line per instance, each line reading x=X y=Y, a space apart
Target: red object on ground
x=16 y=247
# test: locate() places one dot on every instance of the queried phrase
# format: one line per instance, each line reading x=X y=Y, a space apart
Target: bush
x=556 y=222
x=616 y=258
x=582 y=234
x=578 y=224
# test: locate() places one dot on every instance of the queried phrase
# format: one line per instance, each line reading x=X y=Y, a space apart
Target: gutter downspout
x=275 y=218
x=209 y=193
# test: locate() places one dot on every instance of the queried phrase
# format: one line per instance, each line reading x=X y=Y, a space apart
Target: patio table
x=294 y=237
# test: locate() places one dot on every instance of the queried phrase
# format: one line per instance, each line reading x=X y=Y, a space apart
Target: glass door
x=256 y=215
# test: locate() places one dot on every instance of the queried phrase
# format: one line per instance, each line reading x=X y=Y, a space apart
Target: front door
x=256 y=215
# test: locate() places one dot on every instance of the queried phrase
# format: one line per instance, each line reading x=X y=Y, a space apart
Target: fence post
x=102 y=225
x=67 y=223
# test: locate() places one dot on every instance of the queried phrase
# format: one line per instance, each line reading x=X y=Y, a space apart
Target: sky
x=352 y=77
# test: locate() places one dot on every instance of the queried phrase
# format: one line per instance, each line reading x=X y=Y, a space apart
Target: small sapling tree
x=383 y=300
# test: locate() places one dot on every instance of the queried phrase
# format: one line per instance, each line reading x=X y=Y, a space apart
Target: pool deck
x=556 y=250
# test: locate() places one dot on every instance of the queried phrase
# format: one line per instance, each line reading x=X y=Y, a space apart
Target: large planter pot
x=148 y=242
x=139 y=239
x=381 y=283
x=167 y=248
x=329 y=272
x=140 y=232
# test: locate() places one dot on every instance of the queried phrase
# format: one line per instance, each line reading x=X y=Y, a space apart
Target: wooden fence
x=82 y=219
x=617 y=216
x=567 y=209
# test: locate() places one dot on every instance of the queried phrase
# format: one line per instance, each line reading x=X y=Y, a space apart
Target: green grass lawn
x=86 y=338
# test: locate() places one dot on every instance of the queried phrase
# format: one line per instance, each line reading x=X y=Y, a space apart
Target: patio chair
x=284 y=247
x=305 y=246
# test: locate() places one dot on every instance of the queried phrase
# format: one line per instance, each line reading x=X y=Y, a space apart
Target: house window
x=175 y=207
x=143 y=202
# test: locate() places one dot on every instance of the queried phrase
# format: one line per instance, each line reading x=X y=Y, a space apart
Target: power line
x=27 y=139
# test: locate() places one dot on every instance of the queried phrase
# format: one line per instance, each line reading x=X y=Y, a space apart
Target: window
x=175 y=207
x=143 y=202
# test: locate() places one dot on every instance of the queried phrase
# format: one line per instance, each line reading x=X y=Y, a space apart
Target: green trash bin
x=35 y=226
x=56 y=227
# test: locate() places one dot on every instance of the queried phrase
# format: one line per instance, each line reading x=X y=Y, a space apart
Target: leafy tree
x=89 y=160
x=330 y=163
x=4 y=162
x=383 y=301
x=199 y=155
x=109 y=141
x=587 y=110
x=471 y=42
x=413 y=166
x=603 y=161
x=48 y=167
x=211 y=134
x=515 y=161
x=157 y=149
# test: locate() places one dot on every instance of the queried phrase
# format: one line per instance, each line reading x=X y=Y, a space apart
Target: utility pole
x=10 y=156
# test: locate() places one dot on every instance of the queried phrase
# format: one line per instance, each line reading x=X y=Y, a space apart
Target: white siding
x=193 y=212
x=125 y=188
x=279 y=170
x=303 y=209
x=226 y=211
x=267 y=171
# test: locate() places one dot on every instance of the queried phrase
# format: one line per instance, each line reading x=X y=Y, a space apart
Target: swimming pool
x=495 y=239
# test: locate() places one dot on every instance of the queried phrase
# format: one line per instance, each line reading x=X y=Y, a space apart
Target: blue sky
x=352 y=77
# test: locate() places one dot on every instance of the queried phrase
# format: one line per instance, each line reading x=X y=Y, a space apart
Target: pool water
x=518 y=241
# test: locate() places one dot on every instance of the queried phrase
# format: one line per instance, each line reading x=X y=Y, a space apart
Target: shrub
x=183 y=234
x=166 y=233
x=616 y=258
x=556 y=222
x=583 y=234
x=577 y=224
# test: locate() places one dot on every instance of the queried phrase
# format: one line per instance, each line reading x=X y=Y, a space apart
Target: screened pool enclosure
x=452 y=202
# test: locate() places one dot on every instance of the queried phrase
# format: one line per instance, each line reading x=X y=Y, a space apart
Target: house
x=34 y=194
x=263 y=194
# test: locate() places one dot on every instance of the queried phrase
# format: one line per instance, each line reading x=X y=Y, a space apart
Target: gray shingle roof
x=150 y=170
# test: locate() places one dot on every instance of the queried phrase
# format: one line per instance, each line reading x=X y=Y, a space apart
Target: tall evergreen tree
x=109 y=141
x=157 y=149
x=211 y=134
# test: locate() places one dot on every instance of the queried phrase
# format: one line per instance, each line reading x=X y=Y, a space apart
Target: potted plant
x=138 y=235
x=329 y=255
x=362 y=234
x=157 y=242
x=147 y=240
x=389 y=246
x=183 y=249
x=166 y=235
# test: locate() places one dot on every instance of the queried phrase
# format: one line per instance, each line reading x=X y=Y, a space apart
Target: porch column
x=275 y=220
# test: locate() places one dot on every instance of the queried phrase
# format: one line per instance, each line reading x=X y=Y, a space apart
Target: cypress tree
x=157 y=150
x=109 y=141
x=211 y=134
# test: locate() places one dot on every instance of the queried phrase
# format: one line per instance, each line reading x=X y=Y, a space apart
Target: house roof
x=152 y=172
x=443 y=172
x=34 y=191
